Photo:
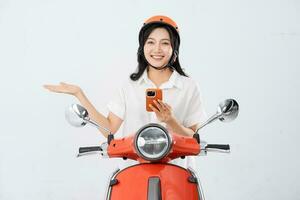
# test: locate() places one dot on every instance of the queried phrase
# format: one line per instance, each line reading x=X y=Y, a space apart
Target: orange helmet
x=164 y=20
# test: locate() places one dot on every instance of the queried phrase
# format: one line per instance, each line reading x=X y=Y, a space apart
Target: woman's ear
x=175 y=56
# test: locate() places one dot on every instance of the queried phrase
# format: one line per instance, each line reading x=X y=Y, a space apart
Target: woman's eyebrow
x=161 y=39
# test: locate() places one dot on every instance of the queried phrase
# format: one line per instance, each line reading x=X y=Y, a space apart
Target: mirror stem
x=211 y=119
x=91 y=122
x=110 y=136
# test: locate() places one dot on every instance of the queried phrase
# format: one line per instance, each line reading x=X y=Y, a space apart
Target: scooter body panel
x=173 y=183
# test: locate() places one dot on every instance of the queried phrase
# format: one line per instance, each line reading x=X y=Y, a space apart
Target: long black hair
x=142 y=62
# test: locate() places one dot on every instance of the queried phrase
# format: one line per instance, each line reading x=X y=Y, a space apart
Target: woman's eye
x=165 y=43
x=150 y=42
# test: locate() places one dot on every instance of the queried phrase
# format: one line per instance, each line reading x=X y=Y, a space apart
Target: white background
x=247 y=50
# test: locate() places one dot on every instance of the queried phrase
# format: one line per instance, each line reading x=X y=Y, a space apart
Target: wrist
x=171 y=122
x=79 y=93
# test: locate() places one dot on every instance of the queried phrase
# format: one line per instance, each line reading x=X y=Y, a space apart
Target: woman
x=180 y=111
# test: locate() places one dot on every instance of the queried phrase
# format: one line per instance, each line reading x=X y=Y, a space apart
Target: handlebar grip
x=89 y=149
x=225 y=147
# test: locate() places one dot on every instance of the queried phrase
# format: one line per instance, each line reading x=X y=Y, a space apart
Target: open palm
x=63 y=88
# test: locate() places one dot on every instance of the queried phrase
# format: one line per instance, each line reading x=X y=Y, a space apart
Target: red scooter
x=153 y=146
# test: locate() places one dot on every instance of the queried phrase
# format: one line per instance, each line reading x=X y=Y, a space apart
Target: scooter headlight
x=152 y=142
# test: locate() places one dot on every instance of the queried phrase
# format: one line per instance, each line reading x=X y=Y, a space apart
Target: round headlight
x=152 y=142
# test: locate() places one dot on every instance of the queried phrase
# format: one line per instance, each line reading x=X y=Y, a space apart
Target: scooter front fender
x=152 y=181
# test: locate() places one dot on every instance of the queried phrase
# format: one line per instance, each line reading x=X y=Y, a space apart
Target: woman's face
x=158 y=49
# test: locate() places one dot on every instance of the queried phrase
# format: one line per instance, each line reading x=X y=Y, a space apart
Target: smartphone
x=151 y=95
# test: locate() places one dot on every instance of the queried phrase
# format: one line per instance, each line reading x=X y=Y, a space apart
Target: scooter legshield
x=155 y=182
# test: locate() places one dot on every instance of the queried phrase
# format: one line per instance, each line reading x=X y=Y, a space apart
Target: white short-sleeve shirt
x=180 y=92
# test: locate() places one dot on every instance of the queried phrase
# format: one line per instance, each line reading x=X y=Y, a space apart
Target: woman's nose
x=157 y=47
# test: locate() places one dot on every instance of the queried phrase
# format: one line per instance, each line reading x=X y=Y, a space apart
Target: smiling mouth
x=156 y=57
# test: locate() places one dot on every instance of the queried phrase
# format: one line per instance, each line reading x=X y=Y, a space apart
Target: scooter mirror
x=77 y=115
x=227 y=111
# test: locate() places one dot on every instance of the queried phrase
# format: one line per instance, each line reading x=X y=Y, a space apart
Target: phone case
x=150 y=99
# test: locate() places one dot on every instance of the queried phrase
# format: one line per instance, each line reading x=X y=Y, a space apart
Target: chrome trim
x=154 y=188
x=89 y=153
x=194 y=174
x=203 y=151
x=104 y=147
x=216 y=150
x=108 y=190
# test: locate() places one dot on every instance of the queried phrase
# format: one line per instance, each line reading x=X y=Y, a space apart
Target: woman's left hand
x=163 y=111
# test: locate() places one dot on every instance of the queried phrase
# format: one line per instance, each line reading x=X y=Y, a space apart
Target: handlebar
x=218 y=147
x=90 y=149
x=222 y=148
x=102 y=149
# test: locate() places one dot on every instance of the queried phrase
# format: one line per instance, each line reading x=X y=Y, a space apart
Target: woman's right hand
x=64 y=88
x=111 y=122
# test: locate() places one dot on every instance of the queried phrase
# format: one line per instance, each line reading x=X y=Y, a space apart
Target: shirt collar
x=174 y=80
